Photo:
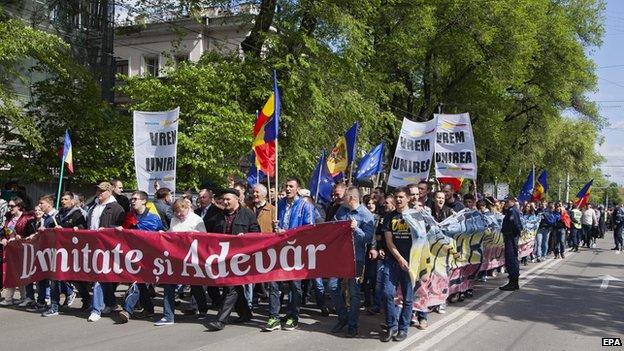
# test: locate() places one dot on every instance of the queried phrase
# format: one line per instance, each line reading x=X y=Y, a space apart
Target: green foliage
x=519 y=67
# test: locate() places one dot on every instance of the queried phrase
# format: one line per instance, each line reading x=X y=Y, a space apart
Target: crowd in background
x=382 y=244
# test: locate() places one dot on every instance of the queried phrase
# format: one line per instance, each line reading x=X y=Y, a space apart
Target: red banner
x=324 y=250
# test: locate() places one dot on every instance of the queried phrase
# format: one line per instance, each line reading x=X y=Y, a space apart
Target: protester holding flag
x=589 y=221
x=69 y=216
x=264 y=211
x=321 y=183
x=363 y=225
x=292 y=211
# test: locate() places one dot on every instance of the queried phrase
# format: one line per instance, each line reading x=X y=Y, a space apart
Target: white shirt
x=97 y=212
x=588 y=217
x=192 y=223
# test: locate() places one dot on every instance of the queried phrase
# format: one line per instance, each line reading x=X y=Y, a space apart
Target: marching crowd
x=382 y=249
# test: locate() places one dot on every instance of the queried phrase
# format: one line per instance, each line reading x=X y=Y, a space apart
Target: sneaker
x=593 y=245
x=163 y=322
x=27 y=302
x=272 y=324
x=124 y=317
x=94 y=317
x=50 y=312
x=36 y=307
x=215 y=326
x=325 y=312
x=441 y=309
x=339 y=326
x=69 y=300
x=202 y=316
x=538 y=260
x=352 y=333
x=373 y=311
x=189 y=311
x=562 y=255
x=144 y=314
x=290 y=324
x=107 y=310
x=6 y=303
x=388 y=335
x=422 y=324
x=116 y=308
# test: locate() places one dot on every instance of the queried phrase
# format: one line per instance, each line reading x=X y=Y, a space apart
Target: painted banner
x=110 y=255
x=155 y=149
x=412 y=157
x=455 y=153
x=447 y=259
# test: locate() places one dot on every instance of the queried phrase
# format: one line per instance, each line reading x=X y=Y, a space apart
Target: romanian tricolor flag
x=541 y=186
x=343 y=152
x=67 y=153
x=265 y=132
x=583 y=195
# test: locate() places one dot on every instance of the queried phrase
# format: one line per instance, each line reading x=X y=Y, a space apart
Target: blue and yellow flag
x=343 y=152
x=541 y=186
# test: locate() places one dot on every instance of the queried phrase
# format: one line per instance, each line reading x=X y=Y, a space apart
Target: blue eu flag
x=370 y=164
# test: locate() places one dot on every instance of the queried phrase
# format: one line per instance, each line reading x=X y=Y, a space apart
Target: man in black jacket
x=512 y=226
x=236 y=220
x=122 y=199
x=68 y=216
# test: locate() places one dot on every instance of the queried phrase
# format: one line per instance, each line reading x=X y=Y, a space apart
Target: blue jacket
x=363 y=234
x=148 y=221
x=301 y=213
x=512 y=224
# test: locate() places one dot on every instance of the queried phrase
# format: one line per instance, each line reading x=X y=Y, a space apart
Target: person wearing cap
x=105 y=213
x=234 y=219
x=512 y=226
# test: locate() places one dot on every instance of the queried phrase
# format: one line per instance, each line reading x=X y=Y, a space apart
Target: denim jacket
x=363 y=234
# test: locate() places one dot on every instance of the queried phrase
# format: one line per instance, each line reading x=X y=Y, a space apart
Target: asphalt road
x=561 y=306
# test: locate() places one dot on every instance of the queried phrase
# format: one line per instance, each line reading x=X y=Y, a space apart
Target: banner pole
x=58 y=193
x=318 y=180
x=269 y=191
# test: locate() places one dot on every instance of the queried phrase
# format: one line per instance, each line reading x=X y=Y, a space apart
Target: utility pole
x=567 y=197
x=559 y=190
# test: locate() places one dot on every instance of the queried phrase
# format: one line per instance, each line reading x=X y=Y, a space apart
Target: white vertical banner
x=412 y=158
x=155 y=149
x=488 y=189
x=455 y=153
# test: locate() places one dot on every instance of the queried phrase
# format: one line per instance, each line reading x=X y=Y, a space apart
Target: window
x=151 y=66
x=179 y=58
x=122 y=67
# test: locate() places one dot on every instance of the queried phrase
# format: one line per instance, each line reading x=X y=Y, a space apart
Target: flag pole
x=58 y=193
x=277 y=113
x=269 y=191
x=354 y=153
x=318 y=180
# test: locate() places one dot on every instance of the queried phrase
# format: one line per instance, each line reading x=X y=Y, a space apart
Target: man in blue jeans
x=398 y=238
x=139 y=291
x=363 y=225
x=292 y=211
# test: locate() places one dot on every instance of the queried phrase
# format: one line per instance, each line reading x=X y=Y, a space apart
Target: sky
x=609 y=60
